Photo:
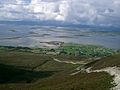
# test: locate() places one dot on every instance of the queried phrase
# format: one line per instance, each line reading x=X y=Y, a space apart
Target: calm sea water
x=33 y=36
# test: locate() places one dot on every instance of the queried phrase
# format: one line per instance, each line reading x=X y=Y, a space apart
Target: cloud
x=104 y=12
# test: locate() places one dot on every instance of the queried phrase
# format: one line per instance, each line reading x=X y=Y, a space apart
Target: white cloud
x=75 y=11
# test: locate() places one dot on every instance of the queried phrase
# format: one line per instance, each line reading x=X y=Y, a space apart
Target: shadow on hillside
x=13 y=74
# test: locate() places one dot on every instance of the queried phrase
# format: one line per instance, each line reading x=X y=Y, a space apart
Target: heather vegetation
x=24 y=68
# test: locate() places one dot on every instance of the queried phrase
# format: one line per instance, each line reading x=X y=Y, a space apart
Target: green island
x=62 y=68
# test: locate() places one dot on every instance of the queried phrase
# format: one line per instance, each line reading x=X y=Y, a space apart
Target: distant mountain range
x=60 y=24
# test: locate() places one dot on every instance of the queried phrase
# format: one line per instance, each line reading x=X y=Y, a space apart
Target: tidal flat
x=36 y=36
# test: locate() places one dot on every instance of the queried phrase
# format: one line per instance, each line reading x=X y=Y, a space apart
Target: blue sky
x=98 y=12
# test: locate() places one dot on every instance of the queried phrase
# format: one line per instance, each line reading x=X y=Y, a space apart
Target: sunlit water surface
x=36 y=36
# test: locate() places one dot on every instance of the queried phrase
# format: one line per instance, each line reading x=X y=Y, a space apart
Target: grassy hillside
x=25 y=70
x=92 y=81
x=13 y=74
x=110 y=61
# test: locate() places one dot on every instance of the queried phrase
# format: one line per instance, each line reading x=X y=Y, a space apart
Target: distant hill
x=60 y=24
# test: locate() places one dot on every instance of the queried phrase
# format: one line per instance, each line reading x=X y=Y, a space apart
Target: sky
x=92 y=12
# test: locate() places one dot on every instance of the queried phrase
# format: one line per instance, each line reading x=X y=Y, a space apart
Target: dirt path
x=69 y=62
x=113 y=71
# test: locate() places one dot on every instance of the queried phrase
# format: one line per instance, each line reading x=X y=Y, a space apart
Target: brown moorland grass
x=23 y=59
x=60 y=81
x=110 y=61
x=85 y=81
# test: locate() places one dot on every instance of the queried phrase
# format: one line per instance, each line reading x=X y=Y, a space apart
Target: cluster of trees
x=87 y=51
x=77 y=50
